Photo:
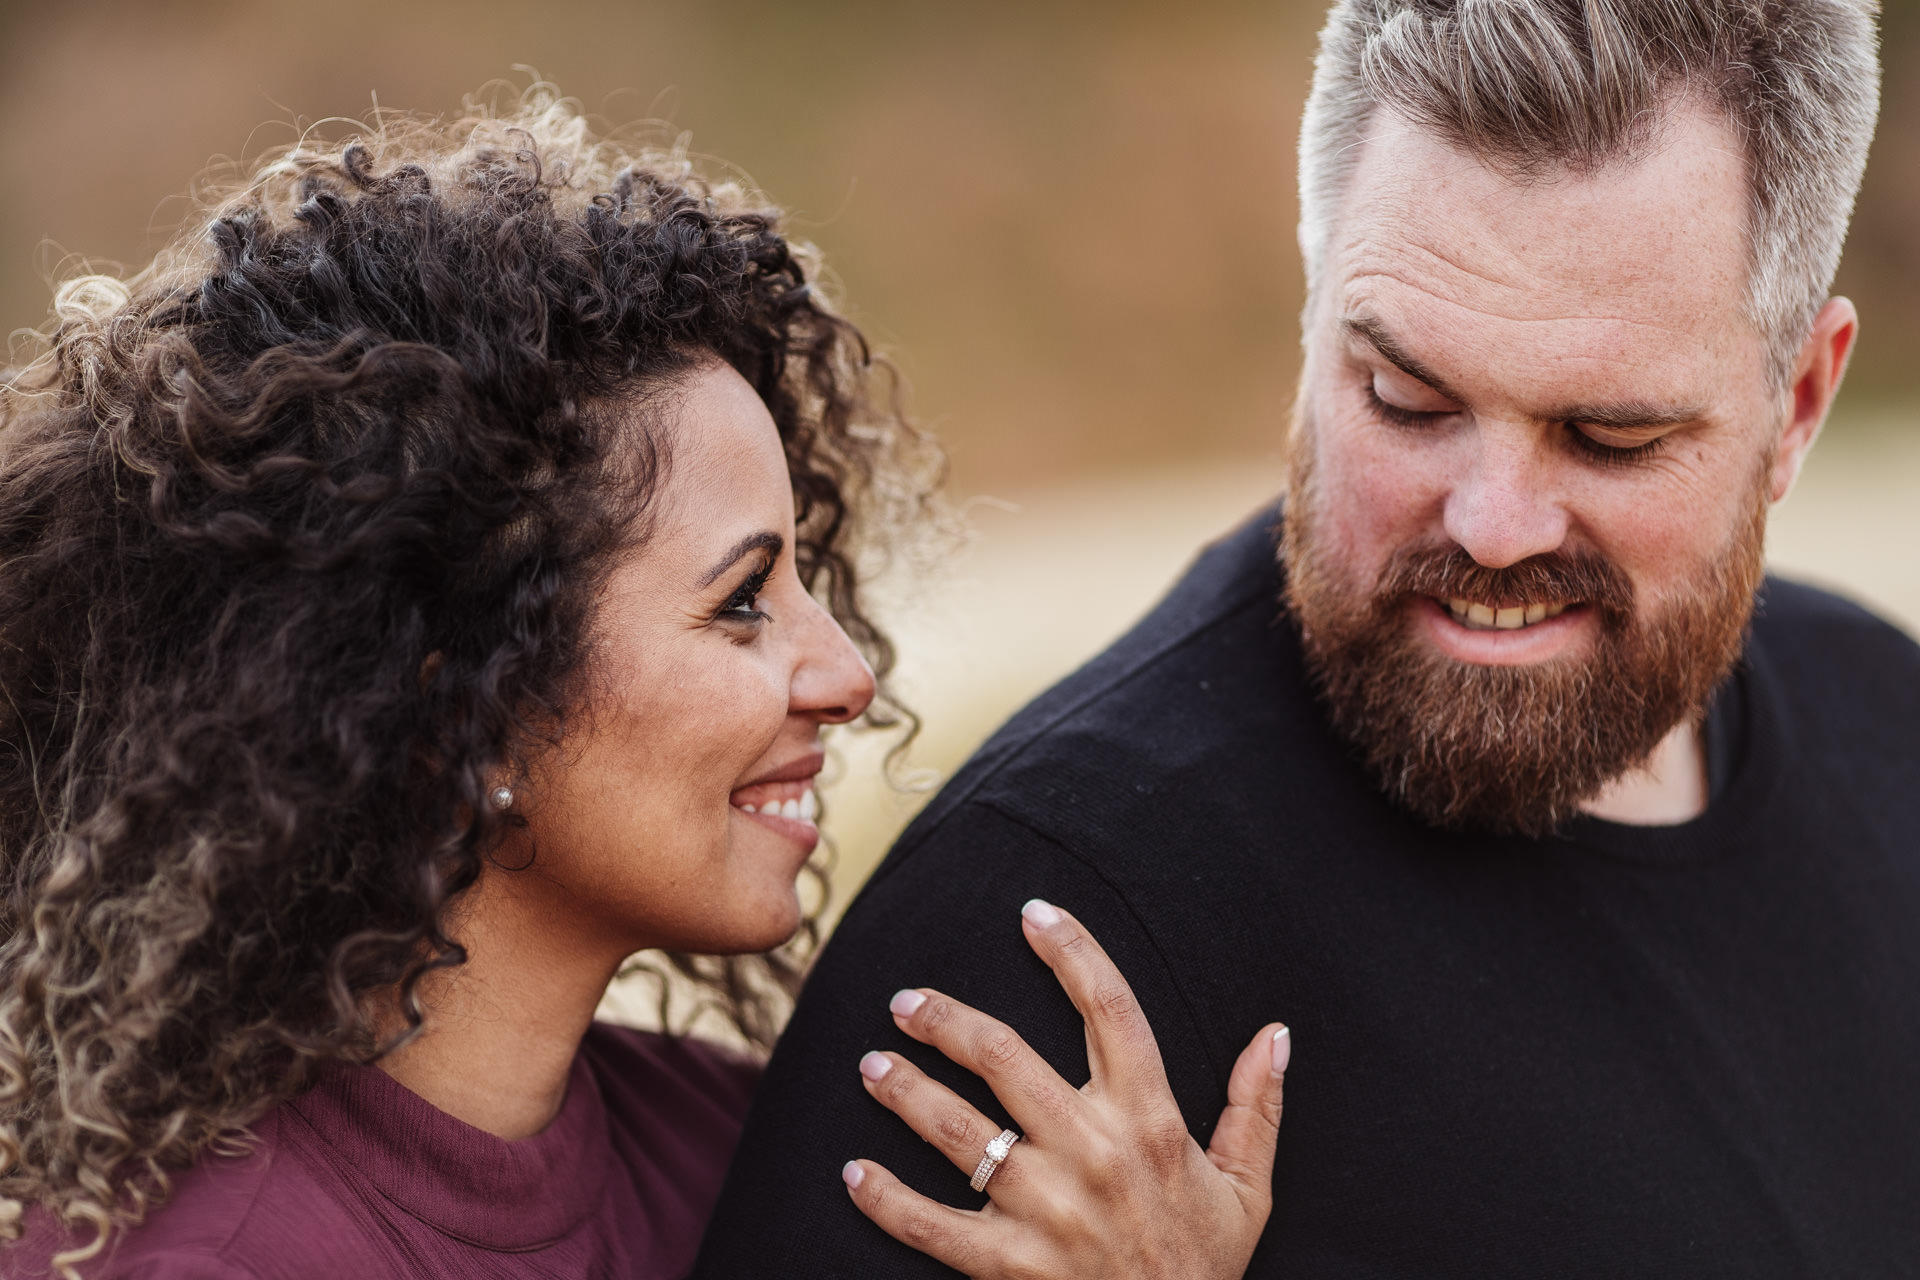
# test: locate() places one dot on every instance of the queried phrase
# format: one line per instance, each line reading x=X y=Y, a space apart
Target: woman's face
x=679 y=809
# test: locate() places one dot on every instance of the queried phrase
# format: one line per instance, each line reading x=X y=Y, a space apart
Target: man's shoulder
x=1128 y=697
x=1789 y=606
x=1843 y=688
x=1820 y=639
x=1202 y=700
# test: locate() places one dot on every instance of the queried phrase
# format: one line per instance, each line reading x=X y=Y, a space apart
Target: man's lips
x=1476 y=615
x=1468 y=639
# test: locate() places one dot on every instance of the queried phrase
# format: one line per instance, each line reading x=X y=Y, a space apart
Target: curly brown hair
x=300 y=533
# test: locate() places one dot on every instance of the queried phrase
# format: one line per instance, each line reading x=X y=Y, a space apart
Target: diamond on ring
x=990 y=1162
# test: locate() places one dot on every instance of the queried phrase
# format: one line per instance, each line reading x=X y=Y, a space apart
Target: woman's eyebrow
x=766 y=539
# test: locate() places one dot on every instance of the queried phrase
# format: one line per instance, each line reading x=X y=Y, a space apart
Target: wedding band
x=990 y=1162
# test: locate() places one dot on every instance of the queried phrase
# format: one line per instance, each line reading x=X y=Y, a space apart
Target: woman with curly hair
x=422 y=589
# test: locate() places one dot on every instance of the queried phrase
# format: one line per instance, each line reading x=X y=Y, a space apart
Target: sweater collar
x=509 y=1195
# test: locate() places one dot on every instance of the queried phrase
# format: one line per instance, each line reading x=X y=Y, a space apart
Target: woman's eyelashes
x=743 y=606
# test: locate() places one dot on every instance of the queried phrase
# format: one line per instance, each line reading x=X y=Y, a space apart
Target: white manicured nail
x=1041 y=915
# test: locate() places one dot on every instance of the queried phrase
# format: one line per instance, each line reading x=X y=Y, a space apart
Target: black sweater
x=1620 y=1051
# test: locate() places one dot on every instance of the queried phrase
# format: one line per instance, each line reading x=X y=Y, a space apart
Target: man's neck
x=1669 y=789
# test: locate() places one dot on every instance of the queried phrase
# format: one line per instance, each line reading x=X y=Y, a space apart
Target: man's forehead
x=1656 y=241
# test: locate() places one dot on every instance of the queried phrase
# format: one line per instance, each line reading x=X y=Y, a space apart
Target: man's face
x=1535 y=450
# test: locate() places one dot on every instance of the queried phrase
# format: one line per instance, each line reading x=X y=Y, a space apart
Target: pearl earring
x=502 y=797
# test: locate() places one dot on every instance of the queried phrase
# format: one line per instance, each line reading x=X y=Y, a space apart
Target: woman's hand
x=1105 y=1180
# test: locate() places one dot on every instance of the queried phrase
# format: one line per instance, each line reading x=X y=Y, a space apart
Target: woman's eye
x=744 y=604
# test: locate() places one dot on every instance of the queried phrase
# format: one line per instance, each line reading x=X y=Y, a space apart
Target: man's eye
x=1612 y=447
x=1395 y=415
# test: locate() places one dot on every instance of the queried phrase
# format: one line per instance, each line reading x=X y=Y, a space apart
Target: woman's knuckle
x=936 y=1013
x=1116 y=1003
x=1105 y=1159
x=999 y=1047
x=1163 y=1142
x=898 y=1085
x=955 y=1127
x=1028 y=1265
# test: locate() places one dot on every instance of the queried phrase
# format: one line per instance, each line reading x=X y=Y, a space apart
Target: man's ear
x=1816 y=379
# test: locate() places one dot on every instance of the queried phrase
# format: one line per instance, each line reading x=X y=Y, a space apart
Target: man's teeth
x=1481 y=617
x=805 y=809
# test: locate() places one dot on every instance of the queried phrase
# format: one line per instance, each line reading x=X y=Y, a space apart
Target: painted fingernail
x=852 y=1174
x=1282 y=1051
x=1041 y=915
x=875 y=1066
x=905 y=1002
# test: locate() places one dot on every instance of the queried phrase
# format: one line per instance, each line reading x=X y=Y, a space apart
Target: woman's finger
x=936 y=1113
x=1121 y=1049
x=953 y=1236
x=1244 y=1139
x=1040 y=1102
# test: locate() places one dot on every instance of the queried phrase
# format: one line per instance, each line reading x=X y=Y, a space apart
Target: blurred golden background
x=1071 y=224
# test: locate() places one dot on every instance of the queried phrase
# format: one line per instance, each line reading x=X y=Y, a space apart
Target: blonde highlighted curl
x=357 y=418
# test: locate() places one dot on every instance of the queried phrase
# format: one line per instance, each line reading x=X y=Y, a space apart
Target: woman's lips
x=783 y=800
x=792 y=800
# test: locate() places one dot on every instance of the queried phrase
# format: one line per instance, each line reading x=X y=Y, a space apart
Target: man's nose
x=1504 y=508
x=832 y=683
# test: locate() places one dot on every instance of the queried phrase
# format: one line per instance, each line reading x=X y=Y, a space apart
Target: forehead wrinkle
x=1424 y=354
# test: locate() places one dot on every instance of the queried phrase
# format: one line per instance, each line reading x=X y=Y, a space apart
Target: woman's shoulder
x=228 y=1217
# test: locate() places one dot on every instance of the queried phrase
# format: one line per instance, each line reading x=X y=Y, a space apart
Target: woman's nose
x=832 y=683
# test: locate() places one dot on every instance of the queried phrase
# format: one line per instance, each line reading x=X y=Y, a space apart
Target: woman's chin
x=772 y=923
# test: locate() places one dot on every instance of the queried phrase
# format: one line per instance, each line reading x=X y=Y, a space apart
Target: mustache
x=1447 y=572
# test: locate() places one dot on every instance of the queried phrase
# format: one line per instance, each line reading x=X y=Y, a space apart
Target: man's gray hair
x=1537 y=85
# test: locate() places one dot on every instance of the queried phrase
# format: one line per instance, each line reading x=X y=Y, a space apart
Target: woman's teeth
x=1481 y=617
x=804 y=809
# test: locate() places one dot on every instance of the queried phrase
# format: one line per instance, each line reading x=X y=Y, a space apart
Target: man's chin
x=1502 y=749
x=1512 y=730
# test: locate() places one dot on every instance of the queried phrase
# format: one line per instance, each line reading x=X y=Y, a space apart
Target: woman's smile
x=782 y=799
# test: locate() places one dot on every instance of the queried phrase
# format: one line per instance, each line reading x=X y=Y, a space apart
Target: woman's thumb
x=1242 y=1146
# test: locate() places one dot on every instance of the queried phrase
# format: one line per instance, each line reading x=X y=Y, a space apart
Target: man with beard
x=1583 y=861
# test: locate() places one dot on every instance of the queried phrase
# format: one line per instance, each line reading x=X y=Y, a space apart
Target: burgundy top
x=360 y=1177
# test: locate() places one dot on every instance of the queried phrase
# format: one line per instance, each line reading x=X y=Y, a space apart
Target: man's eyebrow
x=1631 y=416
x=765 y=539
x=1375 y=335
